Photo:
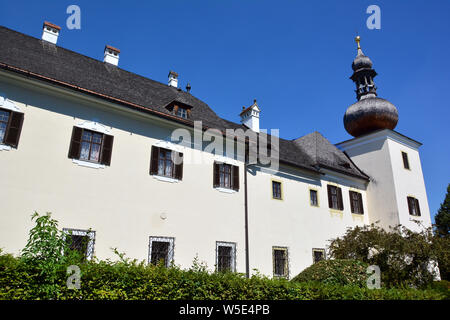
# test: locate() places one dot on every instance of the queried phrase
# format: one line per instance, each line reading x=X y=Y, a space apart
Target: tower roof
x=369 y=113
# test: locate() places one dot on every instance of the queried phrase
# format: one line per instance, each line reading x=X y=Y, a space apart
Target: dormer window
x=182 y=112
x=179 y=109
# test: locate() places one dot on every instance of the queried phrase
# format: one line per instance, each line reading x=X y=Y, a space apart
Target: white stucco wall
x=124 y=204
x=379 y=156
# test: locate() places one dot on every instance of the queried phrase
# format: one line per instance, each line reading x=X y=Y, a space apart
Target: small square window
x=318 y=255
x=276 y=190
x=81 y=241
x=182 y=112
x=161 y=250
x=313 y=198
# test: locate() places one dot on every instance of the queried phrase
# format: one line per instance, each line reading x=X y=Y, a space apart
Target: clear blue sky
x=293 y=56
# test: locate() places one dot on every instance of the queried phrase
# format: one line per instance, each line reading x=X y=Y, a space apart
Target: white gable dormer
x=250 y=116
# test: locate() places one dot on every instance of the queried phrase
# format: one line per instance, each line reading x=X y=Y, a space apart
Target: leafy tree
x=442 y=218
x=404 y=256
x=48 y=251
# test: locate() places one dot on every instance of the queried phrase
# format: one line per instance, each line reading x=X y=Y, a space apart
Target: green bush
x=41 y=273
x=130 y=280
x=403 y=256
x=340 y=272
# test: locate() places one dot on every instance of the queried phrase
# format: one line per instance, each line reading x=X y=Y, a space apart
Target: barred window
x=225 y=256
x=161 y=250
x=318 y=255
x=81 y=241
x=280 y=262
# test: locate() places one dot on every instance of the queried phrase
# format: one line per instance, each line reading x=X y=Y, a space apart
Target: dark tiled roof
x=326 y=155
x=26 y=54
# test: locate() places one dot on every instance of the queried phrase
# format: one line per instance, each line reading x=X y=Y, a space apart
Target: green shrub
x=403 y=256
x=340 y=272
x=131 y=280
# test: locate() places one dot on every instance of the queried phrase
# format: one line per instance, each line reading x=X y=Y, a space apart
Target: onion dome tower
x=369 y=113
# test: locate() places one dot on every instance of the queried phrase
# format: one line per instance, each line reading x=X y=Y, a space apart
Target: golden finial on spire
x=357 y=40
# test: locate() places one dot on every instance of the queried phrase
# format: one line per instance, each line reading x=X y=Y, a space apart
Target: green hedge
x=131 y=280
x=340 y=272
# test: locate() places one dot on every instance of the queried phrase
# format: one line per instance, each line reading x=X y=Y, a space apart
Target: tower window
x=276 y=190
x=313 y=198
x=413 y=206
x=405 y=160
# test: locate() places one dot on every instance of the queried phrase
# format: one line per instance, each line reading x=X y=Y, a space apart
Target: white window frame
x=233 y=253
x=171 y=242
x=89 y=233
x=7 y=104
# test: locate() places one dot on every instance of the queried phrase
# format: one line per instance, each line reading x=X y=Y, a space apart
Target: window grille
x=81 y=240
x=161 y=250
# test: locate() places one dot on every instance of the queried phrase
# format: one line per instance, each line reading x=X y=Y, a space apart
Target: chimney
x=50 y=32
x=111 y=55
x=173 y=79
x=250 y=116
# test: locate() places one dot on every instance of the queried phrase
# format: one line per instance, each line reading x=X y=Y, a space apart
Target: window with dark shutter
x=216 y=177
x=225 y=176
x=356 y=202
x=107 y=150
x=10 y=127
x=166 y=163
x=92 y=146
x=178 y=162
x=405 y=160
x=235 y=175
x=75 y=143
x=335 y=197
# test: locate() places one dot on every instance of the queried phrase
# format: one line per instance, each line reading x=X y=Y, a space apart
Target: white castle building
x=91 y=143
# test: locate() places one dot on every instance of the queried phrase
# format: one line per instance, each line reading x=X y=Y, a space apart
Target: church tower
x=396 y=192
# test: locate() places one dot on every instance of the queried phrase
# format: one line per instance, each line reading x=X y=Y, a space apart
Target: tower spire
x=370 y=113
